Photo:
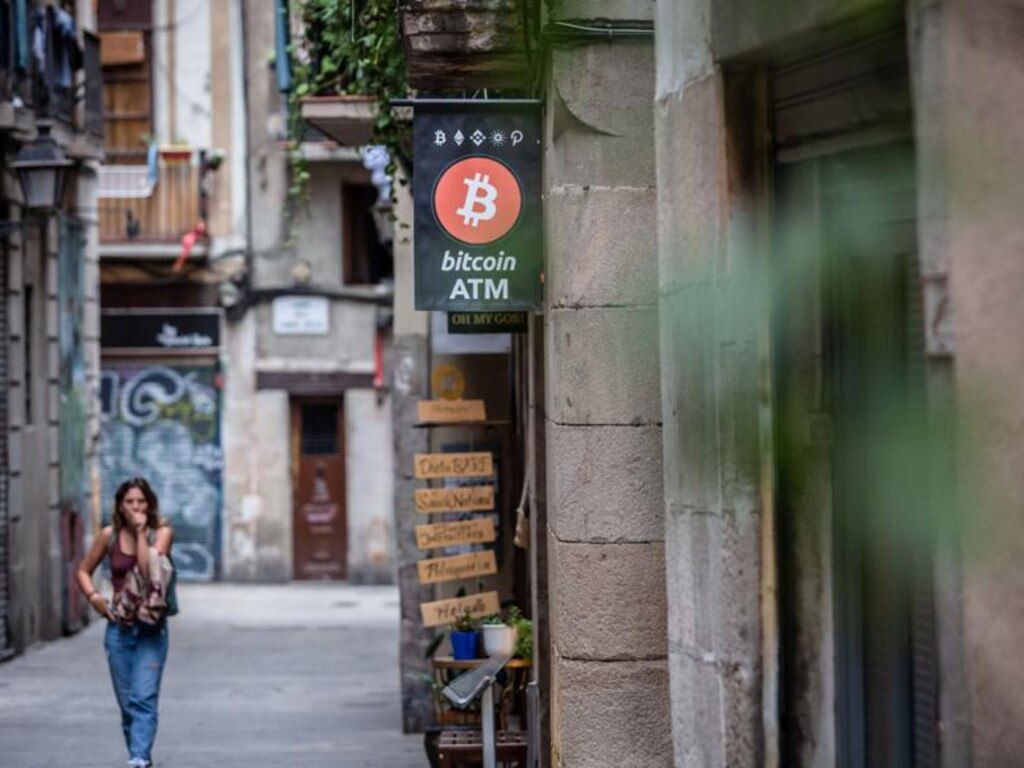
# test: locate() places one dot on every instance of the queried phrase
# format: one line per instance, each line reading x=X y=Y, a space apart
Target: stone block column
x=609 y=697
x=713 y=401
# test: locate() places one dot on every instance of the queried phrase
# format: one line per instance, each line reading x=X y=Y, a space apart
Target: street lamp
x=42 y=170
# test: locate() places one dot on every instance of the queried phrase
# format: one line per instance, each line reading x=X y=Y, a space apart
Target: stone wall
x=609 y=689
x=983 y=72
x=712 y=381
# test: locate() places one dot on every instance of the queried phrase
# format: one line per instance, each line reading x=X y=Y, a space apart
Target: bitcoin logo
x=469 y=213
x=477 y=200
x=447 y=382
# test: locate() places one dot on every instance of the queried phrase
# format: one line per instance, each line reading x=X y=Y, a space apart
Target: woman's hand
x=100 y=605
x=138 y=520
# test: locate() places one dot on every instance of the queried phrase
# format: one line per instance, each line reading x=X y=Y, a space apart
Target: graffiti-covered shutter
x=161 y=421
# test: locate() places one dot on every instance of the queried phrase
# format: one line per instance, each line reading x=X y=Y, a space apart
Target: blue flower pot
x=464 y=645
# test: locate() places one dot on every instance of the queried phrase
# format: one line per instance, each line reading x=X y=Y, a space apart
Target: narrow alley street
x=283 y=676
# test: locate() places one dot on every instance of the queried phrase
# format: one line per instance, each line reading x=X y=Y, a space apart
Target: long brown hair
x=153 y=518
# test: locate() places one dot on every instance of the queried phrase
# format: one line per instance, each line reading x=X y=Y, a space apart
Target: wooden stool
x=459 y=748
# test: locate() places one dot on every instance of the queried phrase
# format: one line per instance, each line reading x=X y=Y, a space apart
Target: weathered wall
x=347 y=347
x=983 y=67
x=609 y=690
x=34 y=567
x=710 y=380
x=370 y=466
x=258 y=490
x=242 y=503
x=409 y=379
x=250 y=514
x=740 y=27
x=182 y=80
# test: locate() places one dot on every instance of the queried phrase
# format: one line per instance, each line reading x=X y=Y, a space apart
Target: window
x=367 y=261
x=126 y=56
x=319 y=428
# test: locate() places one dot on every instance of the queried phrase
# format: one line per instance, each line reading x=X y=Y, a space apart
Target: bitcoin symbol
x=477 y=199
x=440 y=138
x=469 y=213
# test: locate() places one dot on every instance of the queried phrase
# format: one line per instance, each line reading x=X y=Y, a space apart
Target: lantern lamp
x=42 y=169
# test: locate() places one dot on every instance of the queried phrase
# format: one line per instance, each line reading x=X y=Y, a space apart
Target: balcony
x=135 y=211
x=46 y=74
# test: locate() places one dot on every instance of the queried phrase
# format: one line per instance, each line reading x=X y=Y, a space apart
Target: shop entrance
x=319 y=521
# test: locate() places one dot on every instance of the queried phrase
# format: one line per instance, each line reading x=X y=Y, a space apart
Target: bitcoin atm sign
x=477 y=200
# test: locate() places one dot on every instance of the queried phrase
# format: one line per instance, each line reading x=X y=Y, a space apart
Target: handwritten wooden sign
x=434 y=465
x=457 y=567
x=479 y=531
x=432 y=411
x=476 y=498
x=446 y=611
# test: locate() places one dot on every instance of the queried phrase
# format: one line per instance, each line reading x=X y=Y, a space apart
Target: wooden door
x=320 y=534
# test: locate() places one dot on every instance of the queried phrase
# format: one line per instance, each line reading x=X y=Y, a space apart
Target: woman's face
x=134 y=504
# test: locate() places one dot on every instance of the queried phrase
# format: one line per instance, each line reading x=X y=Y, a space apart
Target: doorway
x=858 y=683
x=319 y=519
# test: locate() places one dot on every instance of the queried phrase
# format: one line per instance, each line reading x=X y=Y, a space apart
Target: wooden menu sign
x=453 y=411
x=446 y=611
x=476 y=498
x=457 y=567
x=479 y=531
x=429 y=466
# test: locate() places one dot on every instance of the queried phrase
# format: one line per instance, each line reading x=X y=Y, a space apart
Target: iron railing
x=40 y=60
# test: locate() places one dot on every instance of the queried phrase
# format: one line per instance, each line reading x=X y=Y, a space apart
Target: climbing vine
x=348 y=47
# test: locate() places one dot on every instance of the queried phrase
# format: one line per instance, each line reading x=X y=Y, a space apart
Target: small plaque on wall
x=301 y=316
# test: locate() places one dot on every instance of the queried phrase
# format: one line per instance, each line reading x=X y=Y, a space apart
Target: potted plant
x=524 y=634
x=464 y=637
x=177 y=151
x=499 y=638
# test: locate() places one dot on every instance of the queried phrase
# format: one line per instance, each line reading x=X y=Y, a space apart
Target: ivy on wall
x=348 y=47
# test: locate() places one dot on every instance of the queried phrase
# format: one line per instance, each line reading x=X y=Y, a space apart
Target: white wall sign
x=301 y=315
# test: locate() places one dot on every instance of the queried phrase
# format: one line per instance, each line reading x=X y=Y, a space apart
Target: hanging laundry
x=21 y=35
x=39 y=42
x=67 y=54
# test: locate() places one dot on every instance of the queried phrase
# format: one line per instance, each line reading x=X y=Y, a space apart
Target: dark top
x=120 y=563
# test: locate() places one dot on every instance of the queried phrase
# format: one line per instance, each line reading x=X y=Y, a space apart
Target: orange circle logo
x=477 y=200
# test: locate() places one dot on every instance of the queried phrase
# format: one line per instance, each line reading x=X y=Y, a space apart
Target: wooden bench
x=461 y=748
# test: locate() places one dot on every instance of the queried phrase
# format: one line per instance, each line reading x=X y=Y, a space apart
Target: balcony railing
x=135 y=210
x=41 y=61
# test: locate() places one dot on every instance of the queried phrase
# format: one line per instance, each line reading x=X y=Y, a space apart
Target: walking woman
x=136 y=643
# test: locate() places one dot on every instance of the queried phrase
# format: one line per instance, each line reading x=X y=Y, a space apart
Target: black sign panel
x=195 y=331
x=487 y=322
x=476 y=185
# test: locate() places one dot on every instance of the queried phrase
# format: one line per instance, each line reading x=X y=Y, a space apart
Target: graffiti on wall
x=162 y=422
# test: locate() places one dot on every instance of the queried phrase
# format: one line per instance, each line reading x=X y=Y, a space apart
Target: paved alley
x=283 y=676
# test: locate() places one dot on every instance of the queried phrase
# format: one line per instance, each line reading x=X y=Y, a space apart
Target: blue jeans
x=136 y=655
